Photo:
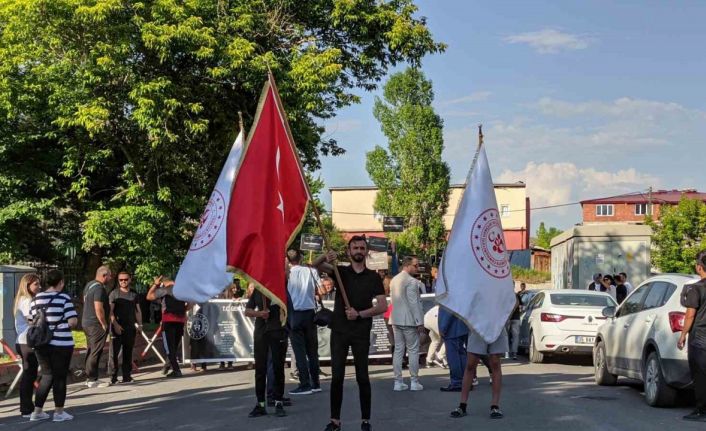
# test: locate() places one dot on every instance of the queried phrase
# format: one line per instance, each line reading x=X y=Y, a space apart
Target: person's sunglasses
x=124 y=279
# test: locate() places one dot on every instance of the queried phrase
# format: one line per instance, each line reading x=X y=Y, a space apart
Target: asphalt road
x=552 y=396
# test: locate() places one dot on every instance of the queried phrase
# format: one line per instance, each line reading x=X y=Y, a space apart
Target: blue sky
x=578 y=99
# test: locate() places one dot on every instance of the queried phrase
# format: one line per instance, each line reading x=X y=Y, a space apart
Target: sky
x=577 y=99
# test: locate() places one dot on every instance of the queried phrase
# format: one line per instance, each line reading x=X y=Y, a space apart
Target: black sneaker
x=450 y=389
x=257 y=411
x=294 y=376
x=365 y=426
x=496 y=413
x=301 y=390
x=332 y=427
x=287 y=402
x=697 y=415
x=127 y=381
x=279 y=410
x=113 y=381
x=166 y=368
x=458 y=413
x=174 y=374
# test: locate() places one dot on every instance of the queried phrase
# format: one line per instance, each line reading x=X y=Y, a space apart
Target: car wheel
x=603 y=376
x=657 y=392
x=535 y=356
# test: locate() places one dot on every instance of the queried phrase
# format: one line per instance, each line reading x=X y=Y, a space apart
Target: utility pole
x=649 y=199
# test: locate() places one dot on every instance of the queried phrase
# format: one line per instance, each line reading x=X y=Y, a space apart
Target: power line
x=520 y=210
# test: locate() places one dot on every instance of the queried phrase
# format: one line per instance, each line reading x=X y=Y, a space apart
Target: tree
x=116 y=116
x=412 y=178
x=678 y=236
x=544 y=236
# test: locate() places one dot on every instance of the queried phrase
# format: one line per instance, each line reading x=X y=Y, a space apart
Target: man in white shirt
x=302 y=284
x=407 y=320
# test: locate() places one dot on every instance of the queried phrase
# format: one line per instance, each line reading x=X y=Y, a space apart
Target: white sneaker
x=475 y=381
x=96 y=384
x=61 y=417
x=416 y=386
x=38 y=416
x=400 y=386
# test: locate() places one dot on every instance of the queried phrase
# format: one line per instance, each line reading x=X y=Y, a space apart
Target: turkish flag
x=268 y=202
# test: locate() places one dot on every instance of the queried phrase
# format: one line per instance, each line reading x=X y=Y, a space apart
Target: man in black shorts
x=695 y=329
x=351 y=326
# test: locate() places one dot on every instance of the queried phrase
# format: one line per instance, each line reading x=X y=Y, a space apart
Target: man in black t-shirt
x=350 y=327
x=269 y=338
x=695 y=328
x=125 y=313
x=96 y=312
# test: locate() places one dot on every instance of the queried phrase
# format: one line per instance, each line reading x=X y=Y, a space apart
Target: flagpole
x=468 y=179
x=317 y=215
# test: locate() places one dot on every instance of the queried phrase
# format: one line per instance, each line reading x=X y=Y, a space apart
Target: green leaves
x=412 y=178
x=679 y=235
x=116 y=115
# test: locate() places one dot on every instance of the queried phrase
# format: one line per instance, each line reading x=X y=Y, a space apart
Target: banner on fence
x=218 y=330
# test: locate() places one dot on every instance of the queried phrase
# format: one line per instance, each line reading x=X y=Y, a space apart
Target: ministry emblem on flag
x=488 y=244
x=211 y=221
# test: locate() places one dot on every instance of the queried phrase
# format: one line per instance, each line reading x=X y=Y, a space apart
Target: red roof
x=658 y=197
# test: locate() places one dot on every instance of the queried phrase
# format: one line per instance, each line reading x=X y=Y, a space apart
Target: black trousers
x=95 y=338
x=126 y=343
x=274 y=342
x=697 y=366
x=173 y=333
x=305 y=344
x=55 y=362
x=30 y=368
x=340 y=342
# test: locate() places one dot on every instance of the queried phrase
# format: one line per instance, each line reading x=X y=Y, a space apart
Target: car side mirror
x=608 y=311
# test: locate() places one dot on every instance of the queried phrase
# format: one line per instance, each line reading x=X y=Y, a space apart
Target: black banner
x=218 y=330
x=393 y=224
x=376 y=243
x=311 y=242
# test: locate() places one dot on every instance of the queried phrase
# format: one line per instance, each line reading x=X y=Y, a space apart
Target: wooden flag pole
x=317 y=215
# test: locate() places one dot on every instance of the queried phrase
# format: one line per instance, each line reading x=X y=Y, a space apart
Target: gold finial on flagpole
x=240 y=121
x=480 y=135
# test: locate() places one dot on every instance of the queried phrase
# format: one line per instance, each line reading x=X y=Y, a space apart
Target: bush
x=531 y=276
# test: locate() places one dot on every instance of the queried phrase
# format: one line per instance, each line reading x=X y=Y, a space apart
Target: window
x=504 y=210
x=658 y=295
x=643 y=209
x=536 y=301
x=604 y=210
x=581 y=300
x=632 y=304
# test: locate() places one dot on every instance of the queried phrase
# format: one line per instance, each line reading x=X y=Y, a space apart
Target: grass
x=530 y=275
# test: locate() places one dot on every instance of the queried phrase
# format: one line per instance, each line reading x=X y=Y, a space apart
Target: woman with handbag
x=29 y=287
x=55 y=356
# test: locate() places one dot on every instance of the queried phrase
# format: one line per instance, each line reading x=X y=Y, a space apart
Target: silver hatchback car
x=639 y=340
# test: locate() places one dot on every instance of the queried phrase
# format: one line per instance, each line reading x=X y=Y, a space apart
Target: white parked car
x=562 y=322
x=639 y=340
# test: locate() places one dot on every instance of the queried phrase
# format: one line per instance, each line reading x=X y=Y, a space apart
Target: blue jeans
x=456 y=357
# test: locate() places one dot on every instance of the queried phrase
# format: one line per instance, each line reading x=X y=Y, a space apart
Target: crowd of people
x=359 y=295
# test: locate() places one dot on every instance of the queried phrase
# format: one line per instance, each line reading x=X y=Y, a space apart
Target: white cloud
x=479 y=96
x=561 y=183
x=551 y=41
x=620 y=108
x=343 y=126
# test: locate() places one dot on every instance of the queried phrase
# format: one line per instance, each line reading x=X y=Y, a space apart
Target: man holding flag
x=256 y=210
x=475 y=281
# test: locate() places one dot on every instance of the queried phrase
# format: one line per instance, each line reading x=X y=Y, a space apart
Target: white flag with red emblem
x=474 y=281
x=203 y=274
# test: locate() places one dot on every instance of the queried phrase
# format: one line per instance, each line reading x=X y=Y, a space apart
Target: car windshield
x=580 y=300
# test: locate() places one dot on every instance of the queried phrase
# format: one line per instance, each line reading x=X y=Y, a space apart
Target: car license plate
x=585 y=340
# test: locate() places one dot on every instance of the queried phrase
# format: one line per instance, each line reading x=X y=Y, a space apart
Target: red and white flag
x=268 y=202
x=475 y=281
x=203 y=273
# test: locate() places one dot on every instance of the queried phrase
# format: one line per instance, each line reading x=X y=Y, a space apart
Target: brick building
x=633 y=208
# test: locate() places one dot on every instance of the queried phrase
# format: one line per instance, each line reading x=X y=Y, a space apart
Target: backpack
x=685 y=290
x=40 y=333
